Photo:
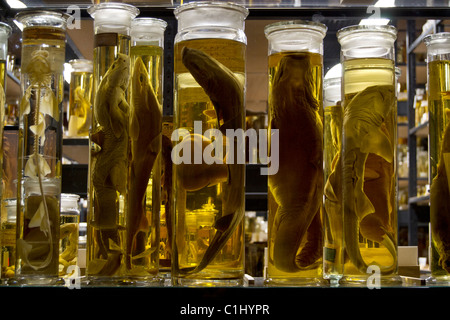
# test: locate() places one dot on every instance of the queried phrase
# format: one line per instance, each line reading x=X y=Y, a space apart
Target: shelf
x=402 y=131
x=12 y=86
x=282 y=302
x=404 y=181
x=76 y=141
x=420 y=201
x=420 y=131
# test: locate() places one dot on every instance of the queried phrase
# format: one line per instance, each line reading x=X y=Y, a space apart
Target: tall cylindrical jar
x=144 y=192
x=333 y=244
x=438 y=62
x=80 y=98
x=40 y=146
x=109 y=141
x=209 y=105
x=295 y=228
x=5 y=32
x=6 y=234
x=369 y=153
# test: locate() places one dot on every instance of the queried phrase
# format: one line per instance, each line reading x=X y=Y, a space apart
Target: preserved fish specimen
x=368 y=170
x=297 y=186
x=110 y=152
x=369 y=153
x=80 y=98
x=226 y=94
x=7 y=225
x=332 y=205
x=166 y=215
x=40 y=134
x=109 y=176
x=145 y=133
x=208 y=192
x=440 y=208
x=69 y=220
x=295 y=191
x=144 y=186
x=439 y=142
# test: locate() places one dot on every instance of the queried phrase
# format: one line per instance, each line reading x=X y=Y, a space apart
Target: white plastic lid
x=112 y=17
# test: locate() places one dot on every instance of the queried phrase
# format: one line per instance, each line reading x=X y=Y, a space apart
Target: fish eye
x=141 y=78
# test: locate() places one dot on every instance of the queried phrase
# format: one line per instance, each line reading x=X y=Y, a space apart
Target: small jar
x=69 y=222
x=5 y=32
x=8 y=240
x=438 y=63
x=369 y=153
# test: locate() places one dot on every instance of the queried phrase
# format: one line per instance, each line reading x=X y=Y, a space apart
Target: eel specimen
x=110 y=172
x=439 y=202
x=226 y=93
x=367 y=152
x=297 y=186
x=145 y=134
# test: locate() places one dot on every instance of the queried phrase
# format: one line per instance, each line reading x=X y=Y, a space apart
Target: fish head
x=200 y=65
x=119 y=72
x=388 y=97
x=140 y=80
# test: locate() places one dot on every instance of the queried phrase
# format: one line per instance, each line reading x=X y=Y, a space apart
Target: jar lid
x=148 y=30
x=81 y=65
x=296 y=24
x=436 y=38
x=5 y=29
x=148 y=22
x=30 y=18
x=210 y=4
x=69 y=199
x=353 y=30
x=113 y=14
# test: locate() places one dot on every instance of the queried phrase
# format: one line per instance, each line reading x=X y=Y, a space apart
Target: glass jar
x=40 y=145
x=68 y=243
x=80 y=97
x=295 y=190
x=332 y=206
x=109 y=153
x=209 y=89
x=8 y=240
x=147 y=43
x=438 y=62
x=369 y=151
x=5 y=32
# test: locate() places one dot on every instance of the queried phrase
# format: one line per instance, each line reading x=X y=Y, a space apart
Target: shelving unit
x=256 y=189
x=335 y=18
